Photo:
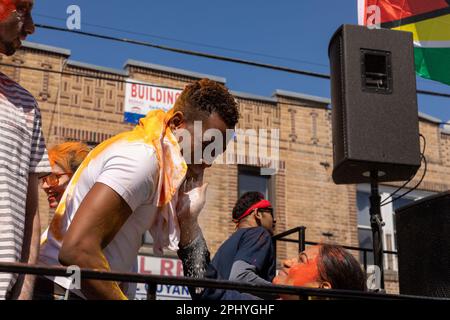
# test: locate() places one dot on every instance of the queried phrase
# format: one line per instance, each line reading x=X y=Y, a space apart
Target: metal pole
x=301 y=239
x=365 y=261
x=376 y=223
x=151 y=291
x=275 y=254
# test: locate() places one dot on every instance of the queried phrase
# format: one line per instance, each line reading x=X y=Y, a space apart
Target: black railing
x=152 y=281
x=302 y=243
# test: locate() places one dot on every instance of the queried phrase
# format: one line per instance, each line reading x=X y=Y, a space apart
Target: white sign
x=163 y=267
x=140 y=98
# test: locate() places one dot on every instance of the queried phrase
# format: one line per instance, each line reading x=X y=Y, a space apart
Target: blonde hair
x=68 y=155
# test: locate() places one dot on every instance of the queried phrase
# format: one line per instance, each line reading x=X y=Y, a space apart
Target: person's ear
x=325 y=285
x=177 y=120
x=258 y=215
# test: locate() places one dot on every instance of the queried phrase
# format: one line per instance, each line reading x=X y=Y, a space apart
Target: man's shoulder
x=255 y=231
x=13 y=88
x=133 y=149
x=248 y=235
x=131 y=154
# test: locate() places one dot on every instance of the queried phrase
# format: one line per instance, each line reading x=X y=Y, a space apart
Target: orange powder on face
x=304 y=273
x=6 y=8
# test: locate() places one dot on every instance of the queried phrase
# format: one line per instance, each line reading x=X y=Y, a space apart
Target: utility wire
x=189 y=42
x=189 y=52
x=212 y=56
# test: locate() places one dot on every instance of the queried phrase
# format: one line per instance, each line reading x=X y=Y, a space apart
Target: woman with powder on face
x=323 y=266
x=65 y=159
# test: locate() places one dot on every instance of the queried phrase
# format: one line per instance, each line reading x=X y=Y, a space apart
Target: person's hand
x=191 y=199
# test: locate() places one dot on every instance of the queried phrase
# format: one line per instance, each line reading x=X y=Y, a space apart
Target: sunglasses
x=266 y=210
x=52 y=180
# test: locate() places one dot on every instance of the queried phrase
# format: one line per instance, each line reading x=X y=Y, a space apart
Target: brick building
x=77 y=105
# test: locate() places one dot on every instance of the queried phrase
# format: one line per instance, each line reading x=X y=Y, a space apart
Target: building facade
x=84 y=102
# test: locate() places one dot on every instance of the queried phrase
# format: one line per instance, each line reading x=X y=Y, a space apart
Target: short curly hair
x=246 y=201
x=204 y=97
x=68 y=155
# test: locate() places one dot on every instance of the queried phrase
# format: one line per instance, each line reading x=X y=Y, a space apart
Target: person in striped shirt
x=23 y=158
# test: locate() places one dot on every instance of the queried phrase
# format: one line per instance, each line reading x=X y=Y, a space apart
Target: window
x=388 y=214
x=364 y=229
x=147 y=238
x=250 y=179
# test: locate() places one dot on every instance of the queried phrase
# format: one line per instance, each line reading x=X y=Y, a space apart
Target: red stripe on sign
x=392 y=10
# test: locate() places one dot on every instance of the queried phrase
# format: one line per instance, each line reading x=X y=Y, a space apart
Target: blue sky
x=291 y=33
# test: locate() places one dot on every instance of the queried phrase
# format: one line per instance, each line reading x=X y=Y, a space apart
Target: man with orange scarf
x=130 y=184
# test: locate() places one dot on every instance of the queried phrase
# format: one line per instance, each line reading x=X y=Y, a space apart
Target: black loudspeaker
x=374 y=105
x=423 y=244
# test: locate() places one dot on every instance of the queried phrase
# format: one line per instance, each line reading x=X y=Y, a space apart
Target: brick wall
x=91 y=110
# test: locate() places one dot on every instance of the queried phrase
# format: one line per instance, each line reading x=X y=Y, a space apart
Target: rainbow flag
x=428 y=20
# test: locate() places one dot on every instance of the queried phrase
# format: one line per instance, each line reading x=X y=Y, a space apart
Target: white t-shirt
x=132 y=170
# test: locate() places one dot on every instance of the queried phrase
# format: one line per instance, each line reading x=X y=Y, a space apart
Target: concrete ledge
x=301 y=96
x=250 y=96
x=46 y=48
x=191 y=74
x=82 y=65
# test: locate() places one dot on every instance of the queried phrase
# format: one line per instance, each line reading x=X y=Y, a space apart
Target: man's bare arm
x=193 y=250
x=23 y=290
x=100 y=216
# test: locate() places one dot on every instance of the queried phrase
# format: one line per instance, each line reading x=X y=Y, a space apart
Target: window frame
x=388 y=215
x=256 y=171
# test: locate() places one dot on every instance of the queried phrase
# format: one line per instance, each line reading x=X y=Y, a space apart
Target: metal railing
x=302 y=243
x=152 y=281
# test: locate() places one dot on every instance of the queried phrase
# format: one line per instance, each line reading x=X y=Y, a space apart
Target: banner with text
x=141 y=97
x=163 y=267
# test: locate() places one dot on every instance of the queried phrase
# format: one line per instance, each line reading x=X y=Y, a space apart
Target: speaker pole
x=376 y=222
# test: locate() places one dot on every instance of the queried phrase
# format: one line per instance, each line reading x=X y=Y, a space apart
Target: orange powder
x=68 y=155
x=152 y=130
x=6 y=8
x=304 y=273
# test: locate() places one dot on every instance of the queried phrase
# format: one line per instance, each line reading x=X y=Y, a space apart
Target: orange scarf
x=152 y=130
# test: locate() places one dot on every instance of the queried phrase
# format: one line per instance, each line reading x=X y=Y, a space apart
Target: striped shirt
x=22 y=151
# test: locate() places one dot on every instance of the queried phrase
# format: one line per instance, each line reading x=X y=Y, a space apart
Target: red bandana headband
x=259 y=205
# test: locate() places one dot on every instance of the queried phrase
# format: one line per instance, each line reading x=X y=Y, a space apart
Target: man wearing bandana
x=324 y=266
x=248 y=255
x=132 y=183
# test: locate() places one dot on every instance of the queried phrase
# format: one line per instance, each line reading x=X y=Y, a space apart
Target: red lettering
x=170 y=97
x=142 y=267
x=133 y=91
x=179 y=269
x=166 y=267
x=141 y=92
x=158 y=95
x=151 y=95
